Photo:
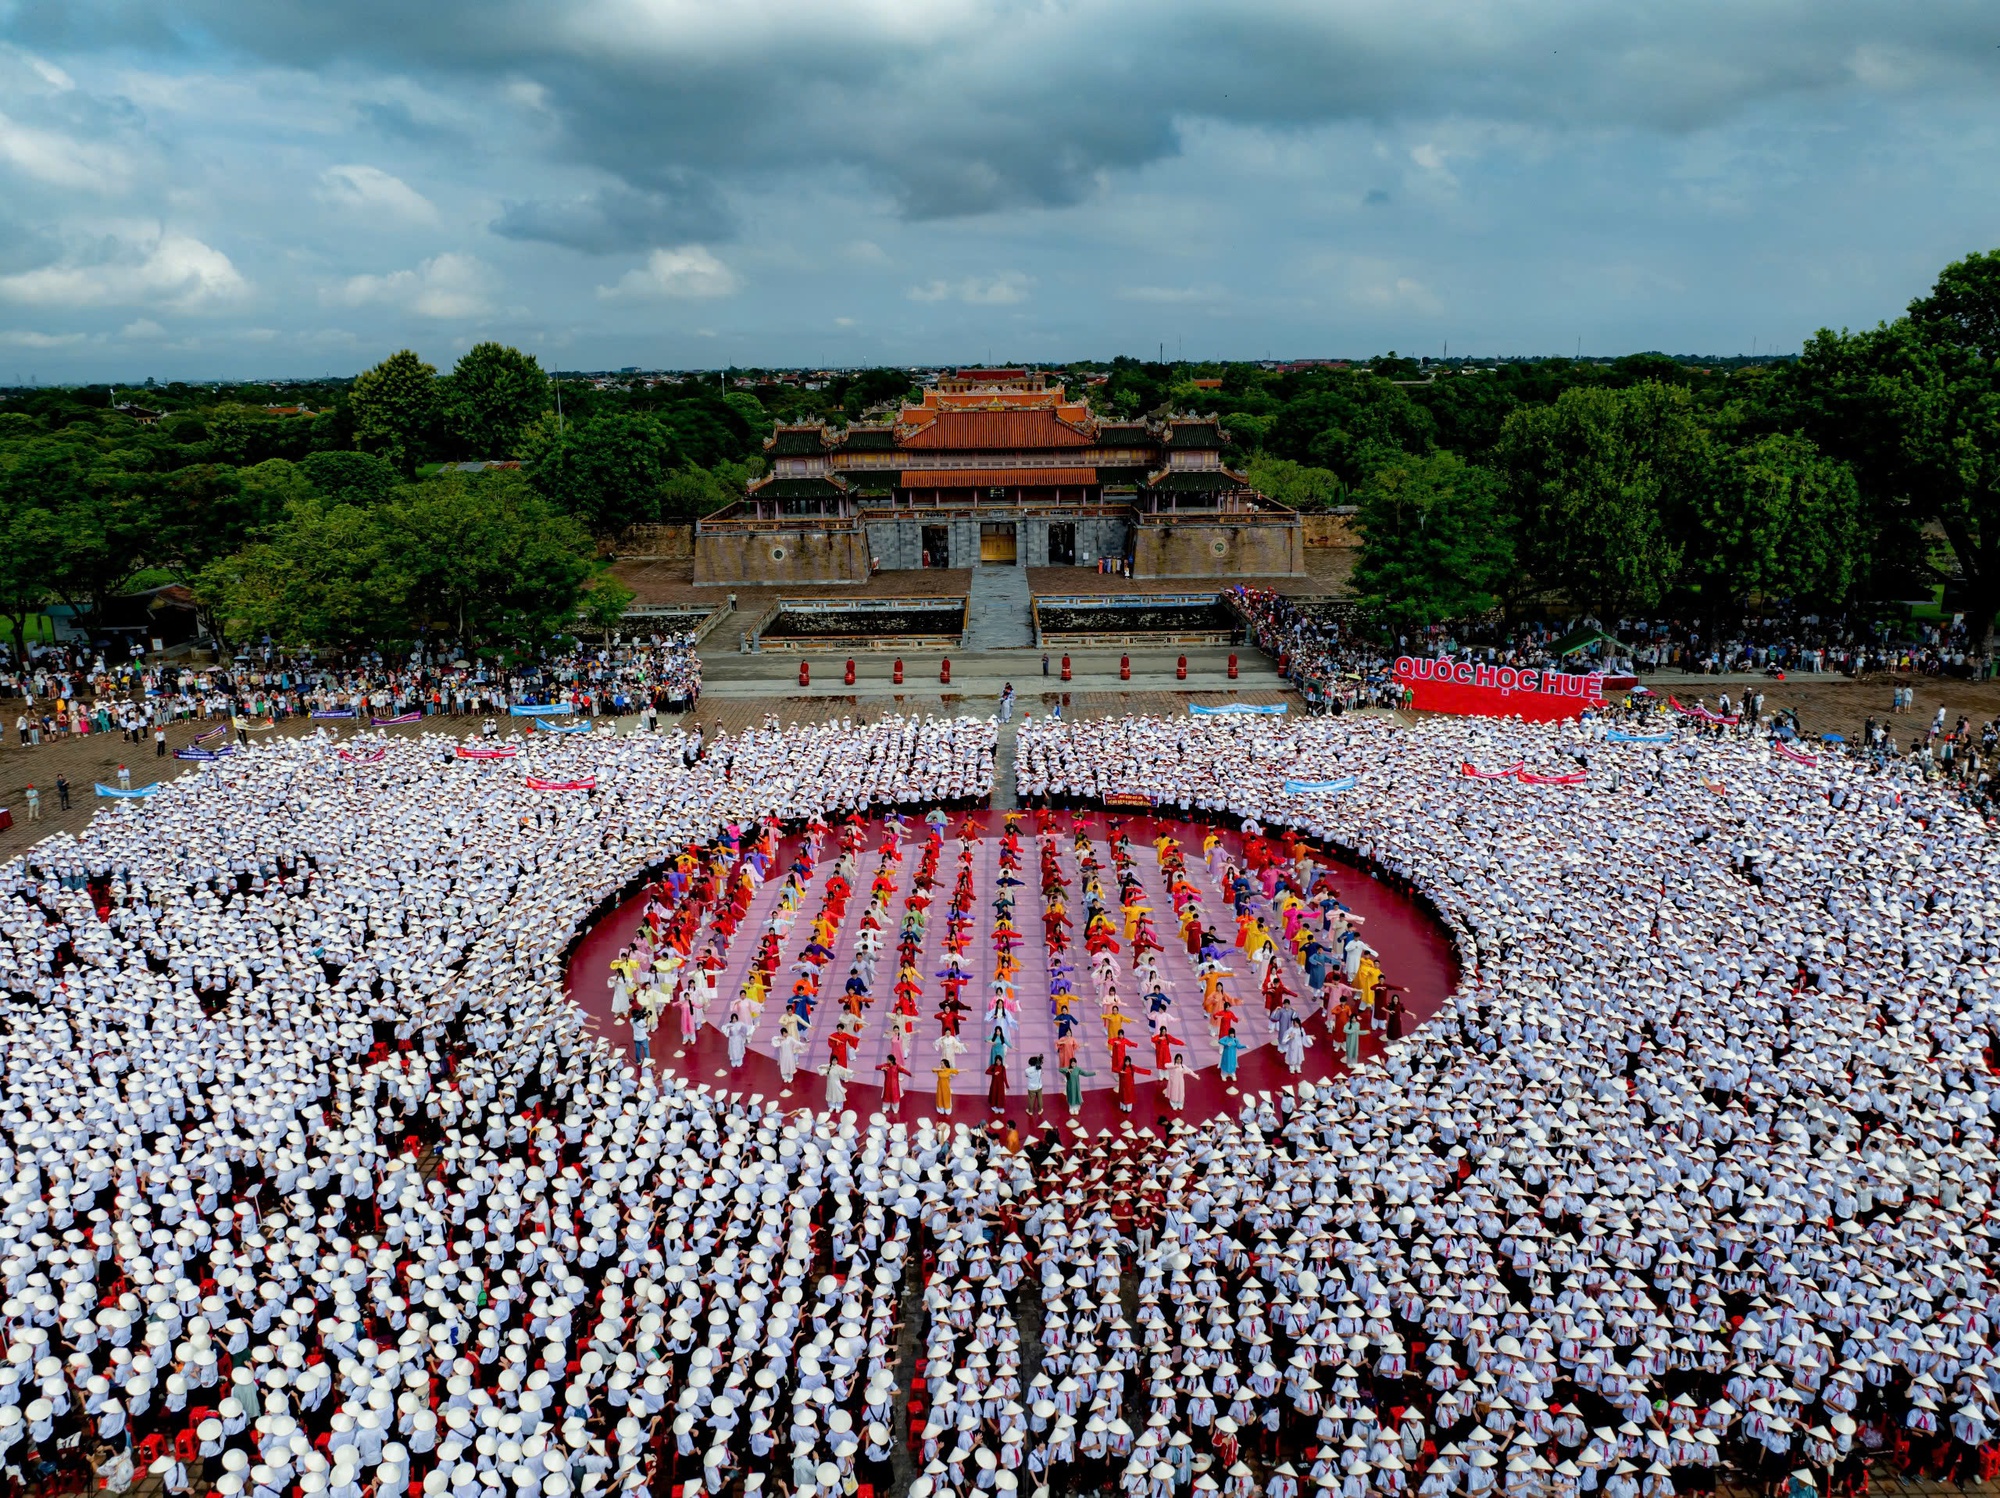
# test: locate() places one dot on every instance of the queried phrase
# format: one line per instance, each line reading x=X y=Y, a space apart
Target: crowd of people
x=1853 y=645
x=317 y=1184
x=1318 y=647
x=1333 y=654
x=67 y=691
x=1241 y=922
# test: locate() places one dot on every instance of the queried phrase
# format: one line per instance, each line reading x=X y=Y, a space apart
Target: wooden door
x=997 y=542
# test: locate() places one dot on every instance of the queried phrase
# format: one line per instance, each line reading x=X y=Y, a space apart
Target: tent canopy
x=1582 y=639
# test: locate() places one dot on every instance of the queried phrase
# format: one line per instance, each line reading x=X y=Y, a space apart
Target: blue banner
x=1615 y=737
x=131 y=795
x=1237 y=709
x=1309 y=787
x=335 y=712
x=563 y=727
x=540 y=710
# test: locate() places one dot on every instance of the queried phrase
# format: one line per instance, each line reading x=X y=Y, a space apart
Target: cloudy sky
x=249 y=188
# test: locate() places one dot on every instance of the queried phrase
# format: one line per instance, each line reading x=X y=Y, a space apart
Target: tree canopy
x=396 y=407
x=608 y=471
x=1440 y=541
x=1601 y=482
x=484 y=560
x=1868 y=468
x=493 y=394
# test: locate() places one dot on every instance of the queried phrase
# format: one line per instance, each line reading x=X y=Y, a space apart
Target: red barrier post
x=1232 y=665
x=944 y=671
x=805 y=673
x=1124 y=668
x=1180 y=669
x=899 y=670
x=850 y=671
x=1065 y=675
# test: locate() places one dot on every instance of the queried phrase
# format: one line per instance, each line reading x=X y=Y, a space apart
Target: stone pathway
x=997 y=615
x=1003 y=798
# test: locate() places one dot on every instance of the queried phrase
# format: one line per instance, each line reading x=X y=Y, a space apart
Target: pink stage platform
x=1414 y=953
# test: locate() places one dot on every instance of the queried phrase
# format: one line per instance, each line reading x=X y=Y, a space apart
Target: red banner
x=487 y=753
x=536 y=783
x=1441 y=686
x=1519 y=771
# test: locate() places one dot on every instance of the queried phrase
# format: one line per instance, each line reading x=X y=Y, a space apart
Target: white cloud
x=1392 y=292
x=172 y=270
x=1430 y=161
x=1763 y=169
x=48 y=72
x=1003 y=290
x=23 y=338
x=372 y=191
x=445 y=286
x=1169 y=295
x=143 y=327
x=687 y=271
x=528 y=94
x=59 y=160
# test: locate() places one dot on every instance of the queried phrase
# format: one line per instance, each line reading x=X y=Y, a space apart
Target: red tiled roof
x=954 y=430
x=974 y=400
x=996 y=478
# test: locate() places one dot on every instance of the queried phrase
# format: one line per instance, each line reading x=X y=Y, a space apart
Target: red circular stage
x=948 y=930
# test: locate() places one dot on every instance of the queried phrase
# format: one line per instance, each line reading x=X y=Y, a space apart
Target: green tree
x=1778 y=519
x=396 y=409
x=1914 y=407
x=609 y=471
x=1296 y=484
x=1963 y=310
x=484 y=561
x=539 y=438
x=103 y=530
x=604 y=603
x=273 y=487
x=1437 y=541
x=198 y=513
x=1350 y=426
x=31 y=548
x=747 y=406
x=708 y=432
x=323 y=578
x=1468 y=408
x=333 y=429
x=690 y=493
x=244 y=435
x=1602 y=483
x=493 y=394
x=487 y=560
x=349 y=478
x=868 y=388
x=192 y=516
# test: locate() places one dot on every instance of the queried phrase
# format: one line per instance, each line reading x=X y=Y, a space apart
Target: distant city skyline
x=130 y=384
x=237 y=191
